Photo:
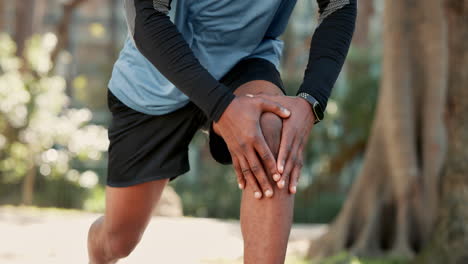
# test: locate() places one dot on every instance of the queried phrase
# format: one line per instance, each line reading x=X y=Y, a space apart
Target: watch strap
x=315 y=105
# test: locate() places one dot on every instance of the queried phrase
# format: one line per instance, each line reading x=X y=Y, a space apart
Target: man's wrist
x=308 y=107
x=316 y=108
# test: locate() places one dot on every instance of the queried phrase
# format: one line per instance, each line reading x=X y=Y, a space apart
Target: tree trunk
x=63 y=28
x=387 y=211
x=38 y=15
x=113 y=29
x=23 y=24
x=28 y=20
x=28 y=186
x=2 y=16
x=365 y=13
x=449 y=242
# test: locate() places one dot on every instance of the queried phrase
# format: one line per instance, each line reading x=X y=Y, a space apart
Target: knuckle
x=299 y=163
x=246 y=172
x=266 y=157
x=295 y=176
x=294 y=159
x=255 y=168
x=243 y=146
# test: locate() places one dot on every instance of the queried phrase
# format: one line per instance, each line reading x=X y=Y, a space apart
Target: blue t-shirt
x=220 y=34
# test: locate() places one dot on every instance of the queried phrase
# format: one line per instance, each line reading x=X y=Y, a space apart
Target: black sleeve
x=329 y=47
x=158 y=39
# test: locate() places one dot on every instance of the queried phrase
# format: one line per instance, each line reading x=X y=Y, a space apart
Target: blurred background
x=384 y=179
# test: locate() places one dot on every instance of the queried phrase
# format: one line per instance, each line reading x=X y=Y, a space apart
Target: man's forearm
x=158 y=39
x=329 y=47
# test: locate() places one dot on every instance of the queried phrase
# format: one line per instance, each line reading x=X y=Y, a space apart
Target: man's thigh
x=129 y=209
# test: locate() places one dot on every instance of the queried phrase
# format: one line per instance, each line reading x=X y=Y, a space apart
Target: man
x=215 y=65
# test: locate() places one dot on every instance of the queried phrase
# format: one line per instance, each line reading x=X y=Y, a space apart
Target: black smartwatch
x=316 y=107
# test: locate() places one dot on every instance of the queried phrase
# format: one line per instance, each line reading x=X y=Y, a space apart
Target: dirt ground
x=50 y=236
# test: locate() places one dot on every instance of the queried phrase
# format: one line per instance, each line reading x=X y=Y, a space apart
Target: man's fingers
x=296 y=173
x=267 y=159
x=289 y=164
x=285 y=149
x=294 y=179
x=238 y=170
x=249 y=177
x=276 y=108
x=286 y=176
x=257 y=170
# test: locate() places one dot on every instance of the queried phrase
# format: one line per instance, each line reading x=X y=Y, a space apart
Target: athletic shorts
x=146 y=147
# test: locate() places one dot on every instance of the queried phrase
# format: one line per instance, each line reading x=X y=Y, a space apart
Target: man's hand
x=239 y=126
x=296 y=130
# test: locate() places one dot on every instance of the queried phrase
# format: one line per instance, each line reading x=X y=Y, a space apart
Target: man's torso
x=219 y=32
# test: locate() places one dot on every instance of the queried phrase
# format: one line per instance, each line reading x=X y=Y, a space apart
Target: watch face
x=318 y=111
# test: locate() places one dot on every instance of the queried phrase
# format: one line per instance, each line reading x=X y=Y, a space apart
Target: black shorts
x=148 y=147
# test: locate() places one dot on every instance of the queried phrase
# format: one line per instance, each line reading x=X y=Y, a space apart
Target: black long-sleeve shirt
x=159 y=40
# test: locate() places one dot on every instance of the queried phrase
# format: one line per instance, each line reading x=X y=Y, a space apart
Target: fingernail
x=276 y=176
x=269 y=193
x=249 y=95
x=241 y=186
x=258 y=195
x=286 y=111
x=281 y=184
x=281 y=168
x=293 y=189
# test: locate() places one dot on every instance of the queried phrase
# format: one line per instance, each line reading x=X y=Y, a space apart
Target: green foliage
x=321 y=208
x=59 y=192
x=209 y=189
x=349 y=113
x=39 y=133
x=95 y=201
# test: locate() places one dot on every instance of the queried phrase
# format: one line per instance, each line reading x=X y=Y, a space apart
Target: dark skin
x=295 y=132
x=249 y=150
x=294 y=135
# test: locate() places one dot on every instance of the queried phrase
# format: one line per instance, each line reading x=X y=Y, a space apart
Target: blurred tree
x=37 y=132
x=28 y=20
x=449 y=243
x=2 y=15
x=391 y=206
x=63 y=27
x=352 y=118
x=23 y=23
x=113 y=29
x=365 y=13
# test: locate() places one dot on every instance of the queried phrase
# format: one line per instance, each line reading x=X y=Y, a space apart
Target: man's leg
x=266 y=223
x=128 y=211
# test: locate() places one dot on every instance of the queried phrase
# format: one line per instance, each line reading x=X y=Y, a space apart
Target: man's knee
x=271 y=126
x=122 y=243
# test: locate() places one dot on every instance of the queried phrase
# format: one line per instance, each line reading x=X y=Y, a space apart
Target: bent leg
x=128 y=211
x=266 y=223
